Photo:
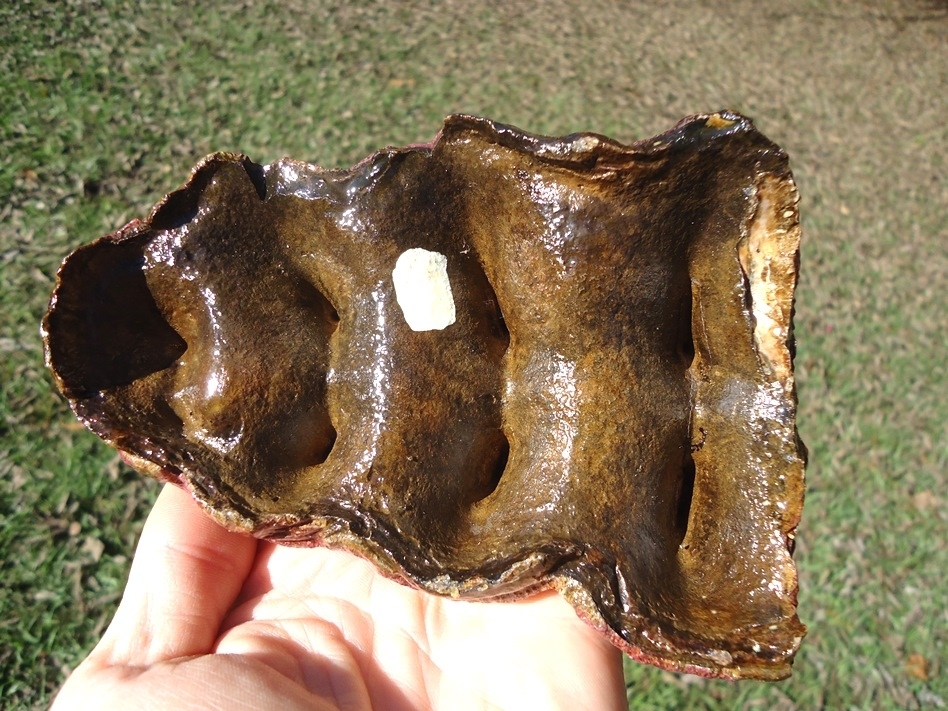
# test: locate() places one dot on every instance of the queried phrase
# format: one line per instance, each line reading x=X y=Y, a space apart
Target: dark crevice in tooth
x=686 y=340
x=494 y=453
x=686 y=490
x=107 y=330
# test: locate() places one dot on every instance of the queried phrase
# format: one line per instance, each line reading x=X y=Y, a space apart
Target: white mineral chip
x=423 y=290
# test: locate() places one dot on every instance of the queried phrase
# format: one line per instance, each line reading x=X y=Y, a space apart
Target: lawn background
x=105 y=106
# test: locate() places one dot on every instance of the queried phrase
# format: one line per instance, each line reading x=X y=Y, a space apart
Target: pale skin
x=212 y=619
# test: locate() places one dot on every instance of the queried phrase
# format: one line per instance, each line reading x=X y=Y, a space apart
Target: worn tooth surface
x=490 y=364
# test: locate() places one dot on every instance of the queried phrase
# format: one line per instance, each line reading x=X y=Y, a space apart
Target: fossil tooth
x=490 y=364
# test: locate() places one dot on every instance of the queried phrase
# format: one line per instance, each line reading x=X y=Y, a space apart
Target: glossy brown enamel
x=610 y=413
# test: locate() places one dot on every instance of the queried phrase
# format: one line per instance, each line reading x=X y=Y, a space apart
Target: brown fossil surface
x=490 y=364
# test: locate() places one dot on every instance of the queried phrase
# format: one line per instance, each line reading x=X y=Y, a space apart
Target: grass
x=106 y=105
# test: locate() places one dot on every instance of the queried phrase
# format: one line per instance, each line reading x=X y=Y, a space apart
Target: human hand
x=212 y=619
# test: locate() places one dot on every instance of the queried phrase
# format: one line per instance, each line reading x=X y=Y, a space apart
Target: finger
x=186 y=574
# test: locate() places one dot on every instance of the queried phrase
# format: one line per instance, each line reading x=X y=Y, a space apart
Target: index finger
x=185 y=576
